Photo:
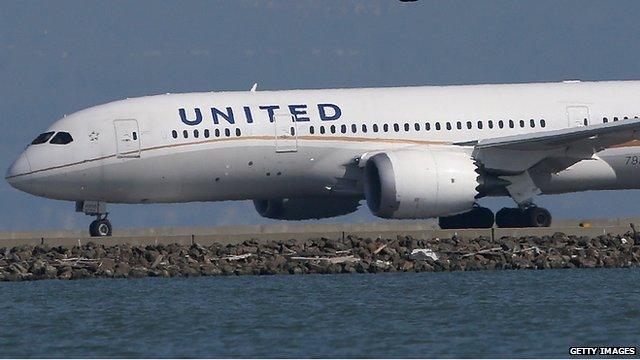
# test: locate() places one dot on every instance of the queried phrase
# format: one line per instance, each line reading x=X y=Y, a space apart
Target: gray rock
x=138 y=272
x=50 y=272
x=122 y=270
x=80 y=274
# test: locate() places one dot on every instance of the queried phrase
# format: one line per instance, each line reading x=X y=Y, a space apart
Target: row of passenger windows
x=206 y=133
x=615 y=118
x=459 y=125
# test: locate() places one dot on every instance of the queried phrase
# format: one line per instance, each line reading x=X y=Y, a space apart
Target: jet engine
x=421 y=183
x=305 y=209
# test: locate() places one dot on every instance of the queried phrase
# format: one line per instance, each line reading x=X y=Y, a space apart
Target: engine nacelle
x=305 y=209
x=420 y=183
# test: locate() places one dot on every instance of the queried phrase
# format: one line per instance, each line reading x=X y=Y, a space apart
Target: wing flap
x=604 y=134
x=519 y=153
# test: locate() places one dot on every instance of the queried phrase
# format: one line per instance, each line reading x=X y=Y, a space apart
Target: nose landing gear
x=101 y=226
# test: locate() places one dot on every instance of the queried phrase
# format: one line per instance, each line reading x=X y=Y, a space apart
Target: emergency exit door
x=578 y=116
x=286 y=134
x=127 y=138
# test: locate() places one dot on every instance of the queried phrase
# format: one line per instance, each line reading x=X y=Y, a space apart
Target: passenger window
x=437 y=125
x=238 y=133
x=385 y=127
x=479 y=124
x=490 y=123
x=292 y=131
x=396 y=127
x=217 y=132
x=321 y=129
x=469 y=125
x=521 y=123
x=354 y=128
x=500 y=124
x=333 y=129
x=343 y=129
x=416 y=126
x=625 y=118
x=448 y=125
x=185 y=134
x=311 y=130
x=615 y=118
x=364 y=128
x=511 y=123
x=196 y=134
x=375 y=127
x=42 y=138
x=174 y=134
x=406 y=127
x=459 y=125
x=227 y=132
x=532 y=123
x=61 y=138
x=427 y=126
x=135 y=135
x=605 y=120
x=207 y=133
x=543 y=123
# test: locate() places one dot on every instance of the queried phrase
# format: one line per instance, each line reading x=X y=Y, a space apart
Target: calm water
x=501 y=313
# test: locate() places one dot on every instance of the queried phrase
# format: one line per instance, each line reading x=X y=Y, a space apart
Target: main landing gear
x=532 y=216
x=483 y=218
x=101 y=226
x=476 y=218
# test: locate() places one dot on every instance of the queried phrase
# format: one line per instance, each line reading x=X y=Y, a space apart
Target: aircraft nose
x=19 y=167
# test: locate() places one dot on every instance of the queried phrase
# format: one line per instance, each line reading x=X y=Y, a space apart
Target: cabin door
x=578 y=116
x=127 y=138
x=286 y=134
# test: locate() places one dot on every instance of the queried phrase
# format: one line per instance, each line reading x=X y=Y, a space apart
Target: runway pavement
x=294 y=230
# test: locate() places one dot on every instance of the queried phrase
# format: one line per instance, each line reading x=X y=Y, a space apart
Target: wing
x=555 y=150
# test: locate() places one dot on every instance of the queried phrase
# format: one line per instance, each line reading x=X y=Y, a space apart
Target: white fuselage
x=240 y=145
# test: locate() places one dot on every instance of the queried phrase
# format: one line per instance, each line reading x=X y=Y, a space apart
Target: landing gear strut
x=101 y=226
x=476 y=218
x=532 y=216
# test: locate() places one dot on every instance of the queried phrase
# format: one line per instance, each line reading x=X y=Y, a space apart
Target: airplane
x=410 y=152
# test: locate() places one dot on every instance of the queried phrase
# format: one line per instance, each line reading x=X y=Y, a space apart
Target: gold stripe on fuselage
x=266 y=138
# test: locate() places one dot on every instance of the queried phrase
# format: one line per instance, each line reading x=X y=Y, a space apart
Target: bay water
x=538 y=313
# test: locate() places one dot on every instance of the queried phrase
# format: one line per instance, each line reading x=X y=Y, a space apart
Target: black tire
x=510 y=218
x=484 y=218
x=538 y=217
x=476 y=218
x=100 y=228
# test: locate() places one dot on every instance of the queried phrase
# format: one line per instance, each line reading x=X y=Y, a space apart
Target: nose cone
x=19 y=167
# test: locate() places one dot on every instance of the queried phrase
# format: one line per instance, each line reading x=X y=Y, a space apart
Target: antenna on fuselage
x=254 y=87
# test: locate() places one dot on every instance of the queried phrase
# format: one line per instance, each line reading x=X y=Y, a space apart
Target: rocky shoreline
x=317 y=256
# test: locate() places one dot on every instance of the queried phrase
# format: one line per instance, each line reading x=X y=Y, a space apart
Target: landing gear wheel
x=100 y=228
x=516 y=218
x=510 y=218
x=538 y=217
x=476 y=218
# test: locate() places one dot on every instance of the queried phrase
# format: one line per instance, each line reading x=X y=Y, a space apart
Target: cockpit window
x=42 y=138
x=61 y=138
